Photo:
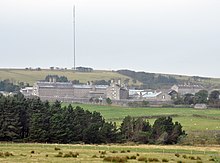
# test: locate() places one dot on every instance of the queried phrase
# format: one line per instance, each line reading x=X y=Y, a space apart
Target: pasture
x=208 y=119
x=56 y=153
x=31 y=76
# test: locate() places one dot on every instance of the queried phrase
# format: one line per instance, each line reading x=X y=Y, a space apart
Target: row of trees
x=33 y=120
x=57 y=78
x=163 y=131
x=149 y=79
x=201 y=97
x=8 y=86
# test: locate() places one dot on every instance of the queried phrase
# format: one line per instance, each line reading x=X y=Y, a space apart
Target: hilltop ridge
x=133 y=78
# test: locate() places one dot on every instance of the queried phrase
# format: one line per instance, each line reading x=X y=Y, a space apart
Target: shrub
x=185 y=157
x=138 y=154
x=211 y=159
x=56 y=148
x=123 y=151
x=198 y=158
x=46 y=155
x=128 y=151
x=165 y=160
x=133 y=157
x=103 y=152
x=67 y=155
x=74 y=154
x=1 y=154
x=115 y=159
x=32 y=152
x=114 y=151
x=94 y=156
x=192 y=158
x=153 y=160
x=60 y=154
x=142 y=159
x=177 y=154
x=7 y=154
x=102 y=156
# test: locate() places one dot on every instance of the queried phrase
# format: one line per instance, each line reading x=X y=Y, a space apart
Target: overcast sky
x=168 y=36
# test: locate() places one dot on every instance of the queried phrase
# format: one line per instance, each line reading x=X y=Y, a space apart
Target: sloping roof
x=151 y=94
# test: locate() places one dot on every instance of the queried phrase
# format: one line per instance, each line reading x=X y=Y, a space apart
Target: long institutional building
x=67 y=91
x=117 y=92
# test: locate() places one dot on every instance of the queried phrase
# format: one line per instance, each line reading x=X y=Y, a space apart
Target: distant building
x=27 y=91
x=149 y=95
x=200 y=106
x=116 y=91
x=186 y=88
x=67 y=91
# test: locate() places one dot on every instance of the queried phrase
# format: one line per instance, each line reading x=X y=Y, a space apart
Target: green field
x=210 y=121
x=46 y=153
x=31 y=76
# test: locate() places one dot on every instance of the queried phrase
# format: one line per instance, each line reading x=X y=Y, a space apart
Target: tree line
x=8 y=86
x=149 y=80
x=33 y=120
x=201 y=97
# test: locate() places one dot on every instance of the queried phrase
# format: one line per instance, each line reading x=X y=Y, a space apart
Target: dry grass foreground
x=56 y=153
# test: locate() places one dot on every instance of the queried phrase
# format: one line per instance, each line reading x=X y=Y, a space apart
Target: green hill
x=151 y=80
x=31 y=76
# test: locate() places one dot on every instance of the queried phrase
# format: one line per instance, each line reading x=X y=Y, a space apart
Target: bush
x=32 y=152
x=67 y=155
x=60 y=154
x=192 y=158
x=115 y=159
x=114 y=151
x=185 y=157
x=123 y=151
x=56 y=148
x=153 y=160
x=7 y=154
x=102 y=152
x=165 y=160
x=94 y=156
x=198 y=158
x=177 y=154
x=142 y=159
x=211 y=159
x=74 y=154
x=133 y=157
x=1 y=154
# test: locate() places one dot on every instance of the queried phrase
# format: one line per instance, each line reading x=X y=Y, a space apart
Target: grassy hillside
x=46 y=153
x=31 y=76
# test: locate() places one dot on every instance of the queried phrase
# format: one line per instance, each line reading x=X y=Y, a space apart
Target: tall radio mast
x=74 y=37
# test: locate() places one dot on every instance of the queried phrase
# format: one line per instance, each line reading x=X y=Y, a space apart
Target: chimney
x=54 y=79
x=119 y=81
x=50 y=79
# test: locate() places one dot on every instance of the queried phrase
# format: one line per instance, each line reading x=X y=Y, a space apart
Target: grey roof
x=69 y=85
x=54 y=85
